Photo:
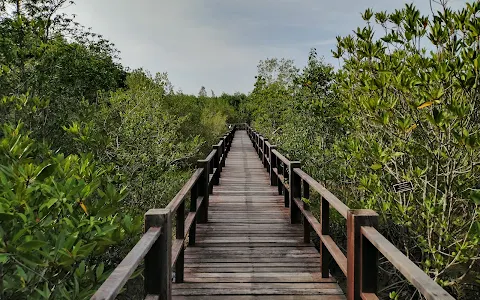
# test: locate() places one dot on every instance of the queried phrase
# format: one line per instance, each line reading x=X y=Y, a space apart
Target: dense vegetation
x=403 y=106
x=87 y=146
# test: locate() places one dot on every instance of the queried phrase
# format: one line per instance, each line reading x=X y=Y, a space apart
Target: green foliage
x=404 y=106
x=93 y=150
x=59 y=215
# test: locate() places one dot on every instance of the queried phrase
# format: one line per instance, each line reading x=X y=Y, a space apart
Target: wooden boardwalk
x=244 y=244
x=248 y=249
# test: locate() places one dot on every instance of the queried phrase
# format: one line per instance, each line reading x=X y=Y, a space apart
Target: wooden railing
x=157 y=248
x=364 y=242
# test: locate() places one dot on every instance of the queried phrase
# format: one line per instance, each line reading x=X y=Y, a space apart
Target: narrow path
x=248 y=249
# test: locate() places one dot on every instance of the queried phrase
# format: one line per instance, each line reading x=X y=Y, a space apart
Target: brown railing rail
x=157 y=248
x=364 y=242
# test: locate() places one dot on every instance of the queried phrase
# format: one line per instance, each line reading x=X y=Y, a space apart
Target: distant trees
x=202 y=92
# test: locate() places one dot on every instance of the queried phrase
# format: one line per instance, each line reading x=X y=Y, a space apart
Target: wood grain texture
x=248 y=249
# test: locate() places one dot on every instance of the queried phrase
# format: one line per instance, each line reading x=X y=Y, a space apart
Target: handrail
x=281 y=157
x=160 y=252
x=411 y=271
x=326 y=194
x=111 y=287
x=364 y=242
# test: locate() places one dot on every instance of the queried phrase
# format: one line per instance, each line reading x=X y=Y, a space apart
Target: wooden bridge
x=246 y=235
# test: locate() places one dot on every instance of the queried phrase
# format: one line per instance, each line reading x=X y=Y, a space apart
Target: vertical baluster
x=325 y=225
x=158 y=261
x=368 y=267
x=356 y=218
x=306 y=224
x=203 y=191
x=280 y=172
x=273 y=165
x=264 y=155
x=286 y=193
x=180 y=234
x=216 y=159
x=295 y=192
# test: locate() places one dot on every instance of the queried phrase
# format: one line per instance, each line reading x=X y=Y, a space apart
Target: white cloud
x=218 y=43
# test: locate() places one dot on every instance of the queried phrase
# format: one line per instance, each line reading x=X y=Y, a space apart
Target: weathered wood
x=193 y=209
x=306 y=225
x=180 y=236
x=281 y=157
x=355 y=220
x=330 y=248
x=112 y=286
x=177 y=247
x=157 y=271
x=261 y=297
x=326 y=194
x=203 y=190
x=179 y=198
x=248 y=247
x=216 y=165
x=427 y=287
x=325 y=228
x=295 y=192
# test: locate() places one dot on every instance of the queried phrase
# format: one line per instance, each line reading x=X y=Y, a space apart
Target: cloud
x=218 y=43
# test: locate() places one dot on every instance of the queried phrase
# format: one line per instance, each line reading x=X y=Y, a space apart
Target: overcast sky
x=218 y=43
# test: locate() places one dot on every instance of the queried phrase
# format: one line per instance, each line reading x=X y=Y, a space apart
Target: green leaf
x=86 y=249
x=49 y=203
x=475 y=196
x=45 y=172
x=99 y=271
x=6 y=216
x=30 y=245
x=4 y=257
x=376 y=166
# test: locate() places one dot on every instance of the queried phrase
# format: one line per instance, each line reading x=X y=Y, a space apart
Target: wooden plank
x=259 y=291
x=262 y=297
x=114 y=283
x=248 y=248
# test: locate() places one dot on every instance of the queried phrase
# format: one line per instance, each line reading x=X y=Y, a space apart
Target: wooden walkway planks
x=249 y=249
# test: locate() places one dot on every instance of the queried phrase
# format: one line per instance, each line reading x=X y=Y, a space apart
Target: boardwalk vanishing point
x=243 y=231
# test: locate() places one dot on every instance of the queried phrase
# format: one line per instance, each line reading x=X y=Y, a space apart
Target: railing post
x=224 y=153
x=193 y=208
x=158 y=274
x=264 y=155
x=203 y=190
x=259 y=150
x=180 y=234
x=368 y=266
x=280 y=172
x=325 y=228
x=225 y=149
x=273 y=164
x=210 y=172
x=355 y=220
x=216 y=159
x=306 y=224
x=286 y=192
x=295 y=192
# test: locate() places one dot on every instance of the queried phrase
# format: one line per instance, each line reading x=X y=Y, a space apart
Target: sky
x=218 y=43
